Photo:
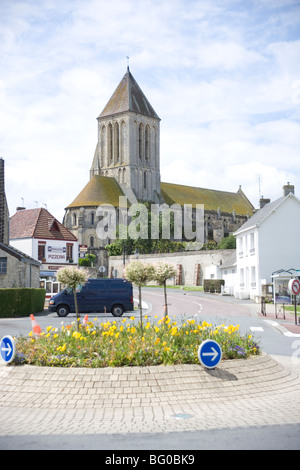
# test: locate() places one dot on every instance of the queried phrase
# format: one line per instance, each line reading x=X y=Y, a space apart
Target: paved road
x=240 y=404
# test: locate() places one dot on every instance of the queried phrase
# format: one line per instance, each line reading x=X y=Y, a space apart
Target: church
x=127 y=163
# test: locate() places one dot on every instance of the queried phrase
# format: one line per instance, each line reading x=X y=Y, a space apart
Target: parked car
x=97 y=295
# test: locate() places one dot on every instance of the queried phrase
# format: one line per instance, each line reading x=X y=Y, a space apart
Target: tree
x=227 y=243
x=72 y=277
x=163 y=272
x=139 y=273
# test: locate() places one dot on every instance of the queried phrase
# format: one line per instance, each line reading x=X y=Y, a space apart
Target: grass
x=124 y=343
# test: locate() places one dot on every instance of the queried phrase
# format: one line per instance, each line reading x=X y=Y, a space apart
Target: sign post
x=210 y=353
x=294 y=288
x=7 y=349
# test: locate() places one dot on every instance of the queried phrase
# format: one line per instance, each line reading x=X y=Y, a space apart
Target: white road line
x=256 y=328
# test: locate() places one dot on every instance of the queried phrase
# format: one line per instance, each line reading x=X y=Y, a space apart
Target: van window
x=120 y=286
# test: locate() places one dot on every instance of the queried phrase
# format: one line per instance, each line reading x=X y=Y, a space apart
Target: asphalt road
x=273 y=340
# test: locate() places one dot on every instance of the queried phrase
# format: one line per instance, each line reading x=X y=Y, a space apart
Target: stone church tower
x=129 y=142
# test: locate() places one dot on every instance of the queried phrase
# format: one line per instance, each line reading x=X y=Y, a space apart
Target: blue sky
x=223 y=75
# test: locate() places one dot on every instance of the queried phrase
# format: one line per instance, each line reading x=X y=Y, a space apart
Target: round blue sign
x=7 y=349
x=209 y=353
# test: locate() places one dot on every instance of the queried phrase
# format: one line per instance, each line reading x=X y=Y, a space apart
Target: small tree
x=163 y=272
x=72 y=277
x=139 y=273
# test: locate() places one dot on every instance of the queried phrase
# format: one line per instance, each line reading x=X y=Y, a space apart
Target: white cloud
x=223 y=76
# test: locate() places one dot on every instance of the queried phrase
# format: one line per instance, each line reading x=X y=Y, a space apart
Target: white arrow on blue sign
x=209 y=353
x=7 y=349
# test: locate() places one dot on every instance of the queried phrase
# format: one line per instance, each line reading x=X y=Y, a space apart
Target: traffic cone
x=85 y=320
x=35 y=327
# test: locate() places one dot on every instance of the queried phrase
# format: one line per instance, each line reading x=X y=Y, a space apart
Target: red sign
x=294 y=286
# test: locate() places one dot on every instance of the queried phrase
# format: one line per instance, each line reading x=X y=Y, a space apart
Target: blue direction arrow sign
x=209 y=353
x=7 y=349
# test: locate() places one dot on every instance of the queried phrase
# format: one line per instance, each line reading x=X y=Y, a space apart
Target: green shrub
x=213 y=285
x=21 y=302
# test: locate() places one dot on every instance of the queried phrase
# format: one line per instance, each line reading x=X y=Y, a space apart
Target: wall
x=19 y=273
x=191 y=275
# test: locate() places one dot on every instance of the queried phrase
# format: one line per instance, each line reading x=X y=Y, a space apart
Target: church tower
x=129 y=142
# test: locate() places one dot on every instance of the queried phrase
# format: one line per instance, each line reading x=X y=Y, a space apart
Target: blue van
x=97 y=295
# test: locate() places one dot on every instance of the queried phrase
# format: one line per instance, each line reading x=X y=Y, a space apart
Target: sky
x=223 y=76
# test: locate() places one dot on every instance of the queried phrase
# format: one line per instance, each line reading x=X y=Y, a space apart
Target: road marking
x=144 y=304
x=256 y=328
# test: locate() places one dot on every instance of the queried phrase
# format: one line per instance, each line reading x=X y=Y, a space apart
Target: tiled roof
x=99 y=190
x=211 y=198
x=128 y=96
x=37 y=223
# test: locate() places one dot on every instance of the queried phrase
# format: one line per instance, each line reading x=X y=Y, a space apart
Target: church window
x=147 y=142
x=141 y=138
x=92 y=242
x=92 y=218
x=124 y=175
x=74 y=219
x=116 y=142
x=210 y=231
x=145 y=179
x=110 y=144
x=123 y=141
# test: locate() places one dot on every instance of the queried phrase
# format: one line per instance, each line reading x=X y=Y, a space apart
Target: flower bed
x=125 y=343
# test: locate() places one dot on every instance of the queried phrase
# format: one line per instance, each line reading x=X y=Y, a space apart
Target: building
x=127 y=163
x=17 y=269
x=267 y=243
x=38 y=234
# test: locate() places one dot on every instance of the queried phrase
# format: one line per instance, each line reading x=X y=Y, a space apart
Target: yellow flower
x=157 y=341
x=55 y=336
x=250 y=336
x=156 y=329
x=132 y=330
x=48 y=328
x=94 y=332
x=121 y=328
x=132 y=318
x=147 y=326
x=117 y=335
x=47 y=336
x=30 y=334
x=167 y=349
x=63 y=348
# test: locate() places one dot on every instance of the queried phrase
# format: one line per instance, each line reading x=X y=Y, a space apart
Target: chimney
x=263 y=201
x=288 y=188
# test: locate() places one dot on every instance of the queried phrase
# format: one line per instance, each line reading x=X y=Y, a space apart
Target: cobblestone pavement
x=258 y=391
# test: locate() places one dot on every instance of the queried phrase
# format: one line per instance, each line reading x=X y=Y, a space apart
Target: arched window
x=74 y=219
x=92 y=242
x=147 y=143
x=92 y=218
x=141 y=139
x=116 y=142
x=145 y=179
x=110 y=143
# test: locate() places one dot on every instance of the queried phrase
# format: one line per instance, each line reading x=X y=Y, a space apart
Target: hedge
x=213 y=285
x=21 y=302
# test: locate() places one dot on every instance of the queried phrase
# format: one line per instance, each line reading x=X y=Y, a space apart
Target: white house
x=267 y=242
x=38 y=234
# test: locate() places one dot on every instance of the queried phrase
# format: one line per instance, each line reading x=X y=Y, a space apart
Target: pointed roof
x=37 y=223
x=258 y=218
x=128 y=96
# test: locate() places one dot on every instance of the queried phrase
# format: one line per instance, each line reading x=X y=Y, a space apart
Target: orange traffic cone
x=85 y=320
x=35 y=327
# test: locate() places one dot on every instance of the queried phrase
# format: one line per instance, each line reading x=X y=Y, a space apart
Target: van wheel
x=62 y=310
x=117 y=310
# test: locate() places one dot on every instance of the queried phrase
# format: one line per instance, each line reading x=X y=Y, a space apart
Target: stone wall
x=191 y=265
x=19 y=273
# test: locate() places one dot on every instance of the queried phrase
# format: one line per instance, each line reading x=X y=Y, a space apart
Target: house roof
x=263 y=213
x=38 y=223
x=11 y=250
x=99 y=190
x=128 y=96
x=211 y=198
